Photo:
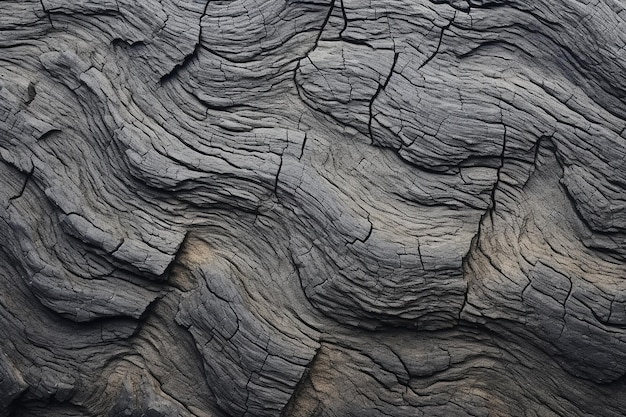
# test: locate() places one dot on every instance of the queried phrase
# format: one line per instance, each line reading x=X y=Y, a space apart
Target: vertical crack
x=475 y=243
x=443 y=31
x=419 y=253
x=380 y=89
x=47 y=12
x=306 y=136
x=301 y=386
x=315 y=44
x=189 y=57
x=280 y=166
x=492 y=206
x=345 y=20
x=319 y=35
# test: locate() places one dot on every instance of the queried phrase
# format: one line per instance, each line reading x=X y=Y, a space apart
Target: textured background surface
x=312 y=208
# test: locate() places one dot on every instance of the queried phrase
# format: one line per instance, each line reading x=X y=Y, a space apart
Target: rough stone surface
x=312 y=208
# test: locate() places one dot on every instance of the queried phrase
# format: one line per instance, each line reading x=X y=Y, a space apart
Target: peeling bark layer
x=312 y=208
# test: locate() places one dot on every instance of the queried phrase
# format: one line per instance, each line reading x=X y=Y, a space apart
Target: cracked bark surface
x=312 y=208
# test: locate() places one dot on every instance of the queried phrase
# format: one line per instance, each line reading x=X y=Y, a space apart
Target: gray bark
x=312 y=208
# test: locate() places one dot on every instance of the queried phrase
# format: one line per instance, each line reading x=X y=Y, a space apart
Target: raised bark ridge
x=312 y=208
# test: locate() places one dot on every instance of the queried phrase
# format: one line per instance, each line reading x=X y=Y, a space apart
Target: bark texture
x=312 y=208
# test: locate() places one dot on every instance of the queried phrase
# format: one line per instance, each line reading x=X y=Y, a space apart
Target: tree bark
x=312 y=208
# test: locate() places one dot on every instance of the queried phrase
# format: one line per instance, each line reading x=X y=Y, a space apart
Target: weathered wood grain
x=312 y=208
